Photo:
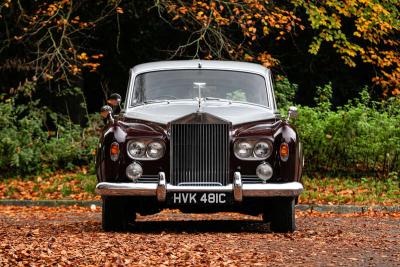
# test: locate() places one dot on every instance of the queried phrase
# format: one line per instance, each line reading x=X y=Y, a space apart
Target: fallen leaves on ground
x=77 y=186
x=70 y=236
x=363 y=191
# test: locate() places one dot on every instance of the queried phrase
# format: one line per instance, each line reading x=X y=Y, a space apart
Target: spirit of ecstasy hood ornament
x=199 y=85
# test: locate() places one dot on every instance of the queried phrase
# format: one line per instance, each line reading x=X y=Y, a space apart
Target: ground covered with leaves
x=73 y=236
x=342 y=190
x=81 y=186
x=72 y=185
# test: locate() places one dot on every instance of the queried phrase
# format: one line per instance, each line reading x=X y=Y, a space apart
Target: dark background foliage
x=60 y=60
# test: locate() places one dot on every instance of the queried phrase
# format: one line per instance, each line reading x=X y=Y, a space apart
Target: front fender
x=106 y=169
x=291 y=169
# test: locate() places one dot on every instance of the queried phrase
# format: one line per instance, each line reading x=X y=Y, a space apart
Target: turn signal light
x=114 y=151
x=284 y=151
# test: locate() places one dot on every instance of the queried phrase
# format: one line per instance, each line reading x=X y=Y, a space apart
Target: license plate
x=202 y=198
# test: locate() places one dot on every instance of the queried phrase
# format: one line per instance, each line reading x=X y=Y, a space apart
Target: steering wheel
x=165 y=96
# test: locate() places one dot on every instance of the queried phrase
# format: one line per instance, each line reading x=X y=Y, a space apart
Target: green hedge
x=34 y=139
x=360 y=138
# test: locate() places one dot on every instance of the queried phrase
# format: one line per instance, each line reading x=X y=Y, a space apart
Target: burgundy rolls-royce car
x=198 y=136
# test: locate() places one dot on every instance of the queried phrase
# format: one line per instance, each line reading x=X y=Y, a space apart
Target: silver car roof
x=204 y=64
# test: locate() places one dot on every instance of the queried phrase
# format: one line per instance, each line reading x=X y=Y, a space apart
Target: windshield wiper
x=153 y=101
x=156 y=101
x=217 y=99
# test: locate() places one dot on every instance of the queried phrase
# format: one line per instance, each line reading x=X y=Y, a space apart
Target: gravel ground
x=70 y=236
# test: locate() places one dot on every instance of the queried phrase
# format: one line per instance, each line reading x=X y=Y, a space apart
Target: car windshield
x=212 y=85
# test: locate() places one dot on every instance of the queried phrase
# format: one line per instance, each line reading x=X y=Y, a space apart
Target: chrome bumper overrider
x=160 y=190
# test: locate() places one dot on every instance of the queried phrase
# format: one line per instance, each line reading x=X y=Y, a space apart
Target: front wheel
x=115 y=214
x=281 y=214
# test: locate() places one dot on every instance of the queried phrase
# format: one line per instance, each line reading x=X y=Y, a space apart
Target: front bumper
x=160 y=189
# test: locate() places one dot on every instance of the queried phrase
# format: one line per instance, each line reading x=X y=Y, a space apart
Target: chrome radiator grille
x=200 y=154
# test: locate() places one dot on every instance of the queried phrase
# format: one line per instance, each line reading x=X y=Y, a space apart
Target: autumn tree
x=56 y=41
x=365 y=30
x=372 y=34
x=231 y=29
x=46 y=40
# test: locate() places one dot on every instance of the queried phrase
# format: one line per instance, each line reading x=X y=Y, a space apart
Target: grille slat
x=199 y=154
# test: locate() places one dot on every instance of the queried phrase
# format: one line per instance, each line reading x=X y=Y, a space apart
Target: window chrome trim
x=266 y=75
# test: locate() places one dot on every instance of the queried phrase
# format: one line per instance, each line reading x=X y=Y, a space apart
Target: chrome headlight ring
x=263 y=149
x=155 y=150
x=136 y=149
x=243 y=149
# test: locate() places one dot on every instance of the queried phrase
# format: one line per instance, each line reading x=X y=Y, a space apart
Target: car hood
x=165 y=112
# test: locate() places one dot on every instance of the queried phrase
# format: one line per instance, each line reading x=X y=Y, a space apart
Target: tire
x=115 y=214
x=281 y=214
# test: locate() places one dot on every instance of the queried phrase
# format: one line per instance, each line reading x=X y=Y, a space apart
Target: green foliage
x=285 y=92
x=360 y=137
x=66 y=190
x=34 y=139
x=324 y=96
x=88 y=182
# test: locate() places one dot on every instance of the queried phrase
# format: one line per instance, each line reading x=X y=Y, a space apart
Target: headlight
x=155 y=150
x=243 y=149
x=263 y=149
x=253 y=149
x=146 y=149
x=136 y=149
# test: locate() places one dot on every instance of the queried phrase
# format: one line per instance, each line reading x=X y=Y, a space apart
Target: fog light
x=134 y=171
x=264 y=171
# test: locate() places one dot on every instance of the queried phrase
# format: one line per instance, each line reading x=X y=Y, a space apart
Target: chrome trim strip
x=126 y=189
x=292 y=189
